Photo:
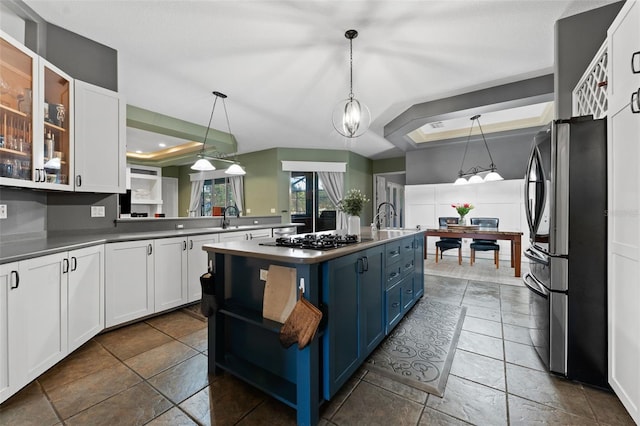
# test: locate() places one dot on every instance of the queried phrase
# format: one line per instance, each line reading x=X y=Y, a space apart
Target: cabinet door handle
x=365 y=260
x=360 y=266
x=184 y=246
x=65 y=266
x=74 y=263
x=409 y=290
x=16 y=280
x=635 y=102
x=39 y=175
x=395 y=305
x=393 y=275
x=190 y=244
x=635 y=62
x=149 y=250
x=78 y=180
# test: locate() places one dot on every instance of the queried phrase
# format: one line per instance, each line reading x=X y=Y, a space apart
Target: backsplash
x=26 y=213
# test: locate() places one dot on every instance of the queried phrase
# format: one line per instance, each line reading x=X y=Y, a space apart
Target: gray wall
x=577 y=39
x=67 y=211
x=26 y=213
x=78 y=56
x=440 y=163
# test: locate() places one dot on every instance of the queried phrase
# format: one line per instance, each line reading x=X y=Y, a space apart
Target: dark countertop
x=16 y=250
x=298 y=255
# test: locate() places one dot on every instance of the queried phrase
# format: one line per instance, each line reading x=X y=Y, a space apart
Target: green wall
x=389 y=165
x=266 y=186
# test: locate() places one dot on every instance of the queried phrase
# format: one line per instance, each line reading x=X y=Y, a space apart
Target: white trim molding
x=313 y=166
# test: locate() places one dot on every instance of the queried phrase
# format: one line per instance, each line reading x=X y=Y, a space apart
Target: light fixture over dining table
x=474 y=172
x=203 y=163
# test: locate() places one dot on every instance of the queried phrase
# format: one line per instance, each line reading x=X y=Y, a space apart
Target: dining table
x=474 y=231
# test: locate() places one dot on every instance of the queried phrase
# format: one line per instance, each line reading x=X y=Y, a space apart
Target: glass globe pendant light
x=350 y=117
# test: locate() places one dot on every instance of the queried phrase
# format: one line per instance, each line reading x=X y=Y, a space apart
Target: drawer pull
x=635 y=102
x=409 y=290
x=393 y=275
x=395 y=305
x=635 y=62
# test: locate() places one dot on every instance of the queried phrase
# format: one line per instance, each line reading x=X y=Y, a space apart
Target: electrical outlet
x=263 y=274
x=179 y=226
x=255 y=222
x=273 y=210
x=248 y=211
x=97 y=211
x=3 y=211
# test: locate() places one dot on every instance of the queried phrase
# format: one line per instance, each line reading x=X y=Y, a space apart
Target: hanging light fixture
x=351 y=118
x=203 y=163
x=474 y=172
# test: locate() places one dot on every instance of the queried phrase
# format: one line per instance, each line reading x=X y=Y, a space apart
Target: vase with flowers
x=463 y=209
x=352 y=205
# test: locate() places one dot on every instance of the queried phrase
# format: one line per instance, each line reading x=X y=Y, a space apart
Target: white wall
x=424 y=204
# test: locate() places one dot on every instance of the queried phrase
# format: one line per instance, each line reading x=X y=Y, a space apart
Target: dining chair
x=481 y=244
x=449 y=243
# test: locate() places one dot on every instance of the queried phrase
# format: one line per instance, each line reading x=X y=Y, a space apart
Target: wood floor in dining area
x=155 y=372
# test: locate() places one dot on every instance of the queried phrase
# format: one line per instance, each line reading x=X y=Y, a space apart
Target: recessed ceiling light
x=436 y=125
x=138 y=151
x=162 y=145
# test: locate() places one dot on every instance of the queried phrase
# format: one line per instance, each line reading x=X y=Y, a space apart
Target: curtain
x=237 y=188
x=334 y=186
x=196 y=197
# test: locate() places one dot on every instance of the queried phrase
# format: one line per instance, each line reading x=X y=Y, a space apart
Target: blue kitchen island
x=363 y=289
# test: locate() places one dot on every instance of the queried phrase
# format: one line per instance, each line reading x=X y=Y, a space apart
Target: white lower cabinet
x=9 y=276
x=150 y=276
x=197 y=264
x=85 y=295
x=170 y=271
x=233 y=236
x=259 y=234
x=129 y=291
x=37 y=318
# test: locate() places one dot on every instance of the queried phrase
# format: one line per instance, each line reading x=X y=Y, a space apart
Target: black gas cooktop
x=315 y=242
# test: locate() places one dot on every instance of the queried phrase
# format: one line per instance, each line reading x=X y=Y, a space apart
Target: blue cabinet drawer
x=407 y=247
x=393 y=274
x=394 y=306
x=407 y=266
x=392 y=252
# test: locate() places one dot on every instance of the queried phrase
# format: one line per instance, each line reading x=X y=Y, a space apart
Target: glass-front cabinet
x=36 y=140
x=18 y=66
x=55 y=158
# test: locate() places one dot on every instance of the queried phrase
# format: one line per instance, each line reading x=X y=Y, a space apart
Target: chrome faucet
x=378 y=212
x=225 y=222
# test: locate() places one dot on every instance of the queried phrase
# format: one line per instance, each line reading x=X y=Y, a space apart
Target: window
x=216 y=195
x=310 y=204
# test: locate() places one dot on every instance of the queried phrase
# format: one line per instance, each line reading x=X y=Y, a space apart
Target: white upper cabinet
x=100 y=149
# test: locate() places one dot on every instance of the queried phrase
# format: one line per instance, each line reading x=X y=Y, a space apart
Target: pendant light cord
x=465 y=150
x=492 y=166
x=350 y=68
x=209 y=126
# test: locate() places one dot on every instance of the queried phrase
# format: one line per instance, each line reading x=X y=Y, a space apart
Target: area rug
x=420 y=350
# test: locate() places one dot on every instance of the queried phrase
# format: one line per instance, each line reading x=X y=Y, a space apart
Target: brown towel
x=301 y=325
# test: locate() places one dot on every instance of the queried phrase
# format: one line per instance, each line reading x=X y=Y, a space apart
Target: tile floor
x=155 y=372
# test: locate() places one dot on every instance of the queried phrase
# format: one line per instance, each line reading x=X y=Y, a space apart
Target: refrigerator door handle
x=532 y=284
x=536 y=256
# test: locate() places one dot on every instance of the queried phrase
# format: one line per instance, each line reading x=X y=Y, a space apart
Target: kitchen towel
x=279 y=293
x=301 y=325
x=208 y=304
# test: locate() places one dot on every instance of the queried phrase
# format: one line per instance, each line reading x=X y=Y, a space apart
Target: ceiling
x=285 y=64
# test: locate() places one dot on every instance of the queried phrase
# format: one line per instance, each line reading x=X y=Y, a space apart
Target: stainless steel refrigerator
x=565 y=203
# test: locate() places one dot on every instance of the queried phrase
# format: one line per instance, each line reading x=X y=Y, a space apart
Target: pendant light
x=474 y=172
x=203 y=163
x=351 y=118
